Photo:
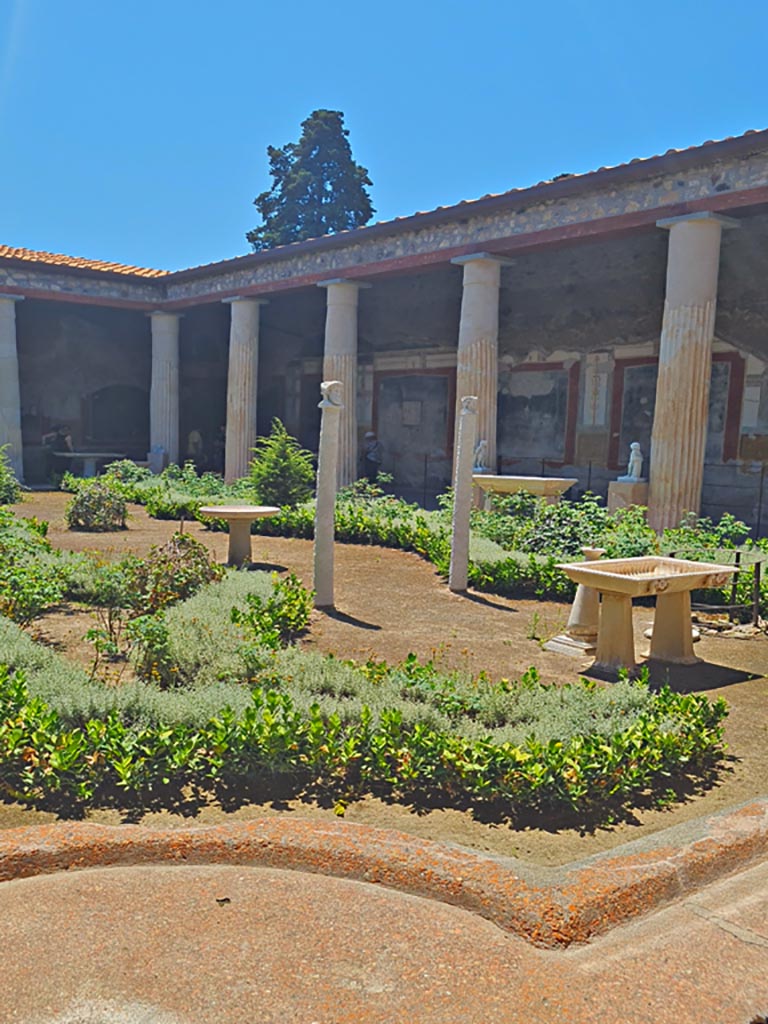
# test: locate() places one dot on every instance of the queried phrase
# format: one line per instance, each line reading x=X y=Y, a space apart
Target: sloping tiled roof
x=562 y=185
x=56 y=259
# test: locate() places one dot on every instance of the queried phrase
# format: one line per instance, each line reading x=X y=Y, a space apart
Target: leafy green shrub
x=10 y=488
x=281 y=472
x=32 y=576
x=700 y=539
x=278 y=619
x=98 y=507
x=125 y=471
x=525 y=523
x=170 y=572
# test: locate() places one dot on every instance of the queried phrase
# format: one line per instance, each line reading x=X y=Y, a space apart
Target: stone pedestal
x=672 y=636
x=477 y=357
x=340 y=364
x=615 y=638
x=242 y=386
x=164 y=389
x=580 y=636
x=466 y=432
x=10 y=395
x=685 y=365
x=623 y=493
x=327 y=472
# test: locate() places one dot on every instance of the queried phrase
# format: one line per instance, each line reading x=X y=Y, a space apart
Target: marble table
x=239 y=519
x=548 y=487
x=670 y=580
x=90 y=459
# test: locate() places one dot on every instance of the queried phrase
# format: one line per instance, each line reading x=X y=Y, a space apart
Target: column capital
x=246 y=298
x=703 y=216
x=164 y=312
x=343 y=280
x=11 y=298
x=503 y=261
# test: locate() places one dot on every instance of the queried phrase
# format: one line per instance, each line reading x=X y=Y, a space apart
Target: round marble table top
x=238 y=511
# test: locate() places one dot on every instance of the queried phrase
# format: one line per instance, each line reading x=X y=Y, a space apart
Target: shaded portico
x=563 y=315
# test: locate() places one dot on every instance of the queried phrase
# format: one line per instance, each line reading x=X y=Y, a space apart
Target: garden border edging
x=551 y=907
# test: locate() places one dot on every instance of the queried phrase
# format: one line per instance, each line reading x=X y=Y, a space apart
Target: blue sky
x=136 y=130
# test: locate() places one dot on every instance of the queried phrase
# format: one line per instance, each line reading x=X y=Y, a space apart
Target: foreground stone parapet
x=548 y=907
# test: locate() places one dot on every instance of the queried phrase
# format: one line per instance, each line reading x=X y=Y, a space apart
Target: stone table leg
x=580 y=636
x=239 y=542
x=672 y=638
x=615 y=638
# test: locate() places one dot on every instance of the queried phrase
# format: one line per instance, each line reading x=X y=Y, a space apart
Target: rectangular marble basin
x=542 y=486
x=649 y=575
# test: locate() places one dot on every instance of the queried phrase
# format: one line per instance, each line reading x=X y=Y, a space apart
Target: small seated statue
x=635 y=466
x=479 y=457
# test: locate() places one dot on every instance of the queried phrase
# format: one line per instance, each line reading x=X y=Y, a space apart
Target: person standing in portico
x=373 y=456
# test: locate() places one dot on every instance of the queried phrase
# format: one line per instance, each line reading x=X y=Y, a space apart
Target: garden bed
x=485 y=632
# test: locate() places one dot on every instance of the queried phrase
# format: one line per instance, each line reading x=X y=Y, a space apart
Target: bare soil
x=389 y=604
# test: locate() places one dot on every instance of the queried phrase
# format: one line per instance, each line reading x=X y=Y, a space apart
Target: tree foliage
x=317 y=188
x=281 y=471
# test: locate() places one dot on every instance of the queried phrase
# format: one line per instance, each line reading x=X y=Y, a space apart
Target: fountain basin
x=644 y=577
x=548 y=487
x=670 y=580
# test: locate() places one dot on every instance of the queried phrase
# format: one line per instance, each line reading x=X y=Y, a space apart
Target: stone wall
x=69 y=358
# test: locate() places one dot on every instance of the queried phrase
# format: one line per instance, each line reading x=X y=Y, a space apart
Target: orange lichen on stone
x=572 y=906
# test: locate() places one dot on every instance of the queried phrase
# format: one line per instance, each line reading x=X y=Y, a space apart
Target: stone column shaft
x=462 y=494
x=477 y=362
x=242 y=386
x=327 y=472
x=340 y=364
x=10 y=391
x=164 y=389
x=680 y=419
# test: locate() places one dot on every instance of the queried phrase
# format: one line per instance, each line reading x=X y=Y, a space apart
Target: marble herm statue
x=332 y=393
x=635 y=466
x=480 y=454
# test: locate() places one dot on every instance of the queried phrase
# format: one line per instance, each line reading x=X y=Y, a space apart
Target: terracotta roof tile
x=55 y=259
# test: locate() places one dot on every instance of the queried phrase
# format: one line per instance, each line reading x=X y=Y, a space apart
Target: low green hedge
x=526 y=536
x=40 y=759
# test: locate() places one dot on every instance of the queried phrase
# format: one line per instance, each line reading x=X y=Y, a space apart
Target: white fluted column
x=164 y=389
x=477 y=361
x=325 y=506
x=242 y=386
x=10 y=392
x=680 y=418
x=340 y=363
x=462 y=494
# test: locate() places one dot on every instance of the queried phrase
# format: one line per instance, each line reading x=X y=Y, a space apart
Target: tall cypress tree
x=317 y=188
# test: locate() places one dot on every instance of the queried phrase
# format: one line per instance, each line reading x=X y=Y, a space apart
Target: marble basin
x=549 y=487
x=648 y=576
x=670 y=580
